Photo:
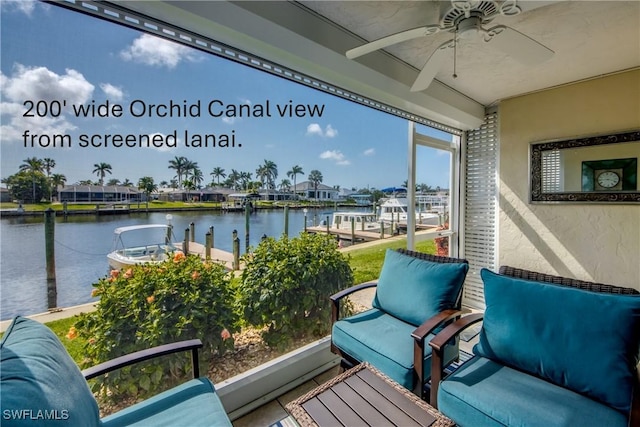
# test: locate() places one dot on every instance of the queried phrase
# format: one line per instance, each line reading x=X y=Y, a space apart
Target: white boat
x=363 y=221
x=394 y=209
x=128 y=248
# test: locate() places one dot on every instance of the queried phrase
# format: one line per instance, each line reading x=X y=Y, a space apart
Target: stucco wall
x=589 y=242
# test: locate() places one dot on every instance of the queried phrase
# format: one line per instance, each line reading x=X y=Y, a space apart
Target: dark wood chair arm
x=430 y=324
x=142 y=355
x=634 y=416
x=420 y=334
x=337 y=297
x=438 y=343
x=454 y=329
x=343 y=293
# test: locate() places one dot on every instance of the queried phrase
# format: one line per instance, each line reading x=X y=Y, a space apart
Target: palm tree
x=271 y=170
x=189 y=185
x=285 y=185
x=179 y=164
x=189 y=167
x=57 y=179
x=32 y=164
x=147 y=185
x=217 y=173
x=261 y=174
x=196 y=176
x=234 y=178
x=315 y=177
x=113 y=182
x=296 y=170
x=245 y=180
x=101 y=169
x=126 y=183
x=48 y=164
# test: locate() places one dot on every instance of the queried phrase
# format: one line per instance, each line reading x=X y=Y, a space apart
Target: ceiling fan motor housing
x=485 y=10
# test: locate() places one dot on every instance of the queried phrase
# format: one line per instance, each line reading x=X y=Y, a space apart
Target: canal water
x=82 y=243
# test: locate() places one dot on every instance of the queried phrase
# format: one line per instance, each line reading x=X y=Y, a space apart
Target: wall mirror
x=597 y=169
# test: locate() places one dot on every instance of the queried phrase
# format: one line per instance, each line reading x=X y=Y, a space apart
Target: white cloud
x=316 y=129
x=25 y=6
x=113 y=93
x=164 y=147
x=154 y=51
x=36 y=84
x=336 y=156
x=369 y=152
x=229 y=120
x=330 y=132
x=42 y=84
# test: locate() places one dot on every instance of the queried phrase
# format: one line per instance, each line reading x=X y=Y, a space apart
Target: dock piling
x=353 y=231
x=192 y=229
x=286 y=221
x=185 y=242
x=247 y=213
x=236 y=251
x=49 y=237
x=207 y=245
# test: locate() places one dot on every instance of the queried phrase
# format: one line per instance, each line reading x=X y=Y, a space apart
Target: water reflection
x=83 y=241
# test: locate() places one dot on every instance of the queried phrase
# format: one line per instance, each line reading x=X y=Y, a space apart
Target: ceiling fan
x=465 y=19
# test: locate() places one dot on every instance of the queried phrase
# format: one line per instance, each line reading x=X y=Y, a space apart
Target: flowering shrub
x=286 y=286
x=153 y=304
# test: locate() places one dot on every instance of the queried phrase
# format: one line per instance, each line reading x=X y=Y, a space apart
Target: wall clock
x=608 y=179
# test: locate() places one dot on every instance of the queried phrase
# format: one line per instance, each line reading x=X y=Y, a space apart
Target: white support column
x=411 y=187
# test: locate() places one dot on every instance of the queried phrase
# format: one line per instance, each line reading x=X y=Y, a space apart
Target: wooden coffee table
x=363 y=396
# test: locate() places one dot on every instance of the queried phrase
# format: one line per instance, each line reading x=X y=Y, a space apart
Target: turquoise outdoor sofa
x=40 y=385
x=552 y=351
x=416 y=294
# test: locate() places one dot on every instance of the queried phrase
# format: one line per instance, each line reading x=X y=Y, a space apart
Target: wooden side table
x=364 y=396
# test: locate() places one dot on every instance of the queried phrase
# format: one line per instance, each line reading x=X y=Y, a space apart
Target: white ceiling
x=589 y=38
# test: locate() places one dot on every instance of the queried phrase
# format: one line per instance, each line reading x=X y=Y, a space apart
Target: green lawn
x=366 y=264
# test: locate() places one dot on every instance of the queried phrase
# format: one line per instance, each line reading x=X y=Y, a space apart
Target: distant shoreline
x=15 y=212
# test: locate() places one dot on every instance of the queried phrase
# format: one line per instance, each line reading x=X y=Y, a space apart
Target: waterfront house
x=494 y=106
x=320 y=192
x=5 y=196
x=99 y=194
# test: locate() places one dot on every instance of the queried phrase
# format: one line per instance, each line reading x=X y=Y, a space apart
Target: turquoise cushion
x=194 y=403
x=486 y=393
x=39 y=382
x=581 y=340
x=415 y=290
x=386 y=343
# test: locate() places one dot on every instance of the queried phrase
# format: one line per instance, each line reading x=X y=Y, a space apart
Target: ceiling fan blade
x=521 y=47
x=391 y=40
x=431 y=67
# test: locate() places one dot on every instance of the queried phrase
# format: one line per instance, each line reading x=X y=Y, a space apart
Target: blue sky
x=50 y=54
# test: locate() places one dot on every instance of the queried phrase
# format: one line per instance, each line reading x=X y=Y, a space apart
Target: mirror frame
x=535 y=171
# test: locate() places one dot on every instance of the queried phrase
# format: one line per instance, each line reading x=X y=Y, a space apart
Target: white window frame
x=453 y=147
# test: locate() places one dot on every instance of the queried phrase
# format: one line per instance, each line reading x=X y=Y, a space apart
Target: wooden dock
x=217 y=255
x=342 y=234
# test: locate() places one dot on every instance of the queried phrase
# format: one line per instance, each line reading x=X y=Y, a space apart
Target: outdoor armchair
x=42 y=385
x=552 y=351
x=416 y=294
